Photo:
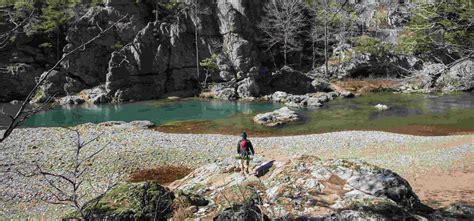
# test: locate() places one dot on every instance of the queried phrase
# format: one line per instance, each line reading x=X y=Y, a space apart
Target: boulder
x=425 y=79
x=362 y=65
x=347 y=94
x=321 y=85
x=278 y=117
x=71 y=100
x=226 y=94
x=96 y=95
x=289 y=81
x=240 y=212
x=459 y=77
x=279 y=96
x=298 y=186
x=133 y=201
x=314 y=102
x=140 y=124
x=53 y=83
x=381 y=107
x=248 y=88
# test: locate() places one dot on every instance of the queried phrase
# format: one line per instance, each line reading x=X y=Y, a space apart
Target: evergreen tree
x=440 y=28
x=54 y=16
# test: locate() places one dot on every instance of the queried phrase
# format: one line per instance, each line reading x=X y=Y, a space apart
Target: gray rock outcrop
x=278 y=117
x=459 y=77
x=16 y=80
x=300 y=186
x=438 y=77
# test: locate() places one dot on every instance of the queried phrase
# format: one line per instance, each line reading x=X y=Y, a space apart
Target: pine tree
x=53 y=18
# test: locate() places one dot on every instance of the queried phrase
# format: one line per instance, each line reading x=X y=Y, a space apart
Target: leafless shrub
x=74 y=184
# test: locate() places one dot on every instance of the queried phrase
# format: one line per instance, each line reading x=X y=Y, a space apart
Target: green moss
x=373 y=46
x=139 y=200
x=39 y=96
x=117 y=45
x=45 y=45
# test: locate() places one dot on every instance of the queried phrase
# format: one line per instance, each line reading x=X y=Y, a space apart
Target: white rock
x=381 y=107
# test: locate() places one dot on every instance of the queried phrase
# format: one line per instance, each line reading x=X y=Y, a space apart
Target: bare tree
x=67 y=186
x=326 y=22
x=283 y=25
x=22 y=114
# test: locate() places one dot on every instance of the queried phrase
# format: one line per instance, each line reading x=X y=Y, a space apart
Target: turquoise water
x=159 y=112
x=454 y=111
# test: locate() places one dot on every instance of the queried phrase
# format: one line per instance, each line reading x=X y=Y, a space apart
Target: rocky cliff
x=152 y=54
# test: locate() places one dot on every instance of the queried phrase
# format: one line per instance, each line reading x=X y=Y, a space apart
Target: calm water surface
x=212 y=116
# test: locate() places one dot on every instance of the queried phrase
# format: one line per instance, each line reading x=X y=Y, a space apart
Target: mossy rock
x=134 y=201
x=187 y=199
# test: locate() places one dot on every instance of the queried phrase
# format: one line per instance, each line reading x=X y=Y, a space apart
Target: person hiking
x=244 y=149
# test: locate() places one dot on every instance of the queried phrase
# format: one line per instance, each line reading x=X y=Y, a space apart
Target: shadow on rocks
x=238 y=212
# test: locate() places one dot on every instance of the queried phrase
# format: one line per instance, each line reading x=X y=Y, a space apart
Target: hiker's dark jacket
x=249 y=146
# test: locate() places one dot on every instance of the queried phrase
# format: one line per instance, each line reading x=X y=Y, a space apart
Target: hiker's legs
x=247 y=162
x=242 y=166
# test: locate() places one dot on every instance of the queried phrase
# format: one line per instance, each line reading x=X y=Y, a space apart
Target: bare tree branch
x=5 y=37
x=22 y=115
x=283 y=24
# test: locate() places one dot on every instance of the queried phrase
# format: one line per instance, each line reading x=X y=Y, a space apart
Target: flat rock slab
x=278 y=117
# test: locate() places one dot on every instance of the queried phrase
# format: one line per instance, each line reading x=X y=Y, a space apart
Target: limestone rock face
x=366 y=65
x=156 y=62
x=238 y=20
x=460 y=77
x=90 y=66
x=433 y=77
x=278 y=117
x=16 y=80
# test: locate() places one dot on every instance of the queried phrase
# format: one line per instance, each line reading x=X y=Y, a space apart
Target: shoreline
x=415 y=130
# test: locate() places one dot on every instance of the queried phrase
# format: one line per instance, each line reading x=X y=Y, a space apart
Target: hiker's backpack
x=244 y=148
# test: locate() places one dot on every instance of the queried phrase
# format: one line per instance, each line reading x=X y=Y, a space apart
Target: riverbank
x=129 y=149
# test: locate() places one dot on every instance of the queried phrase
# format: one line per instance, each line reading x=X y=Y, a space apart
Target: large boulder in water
x=278 y=117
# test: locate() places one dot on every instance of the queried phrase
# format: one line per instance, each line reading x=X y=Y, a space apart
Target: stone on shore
x=278 y=117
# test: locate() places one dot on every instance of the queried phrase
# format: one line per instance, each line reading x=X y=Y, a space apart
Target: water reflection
x=360 y=110
x=158 y=112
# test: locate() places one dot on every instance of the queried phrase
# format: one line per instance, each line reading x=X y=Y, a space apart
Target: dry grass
x=182 y=213
x=235 y=195
x=162 y=174
x=363 y=86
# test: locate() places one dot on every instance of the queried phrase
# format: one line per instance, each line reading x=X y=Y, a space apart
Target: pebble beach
x=130 y=148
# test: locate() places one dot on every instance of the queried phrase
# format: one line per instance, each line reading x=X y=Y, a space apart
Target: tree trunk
x=57 y=44
x=284 y=50
x=196 y=38
x=313 y=55
x=326 y=47
x=156 y=11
